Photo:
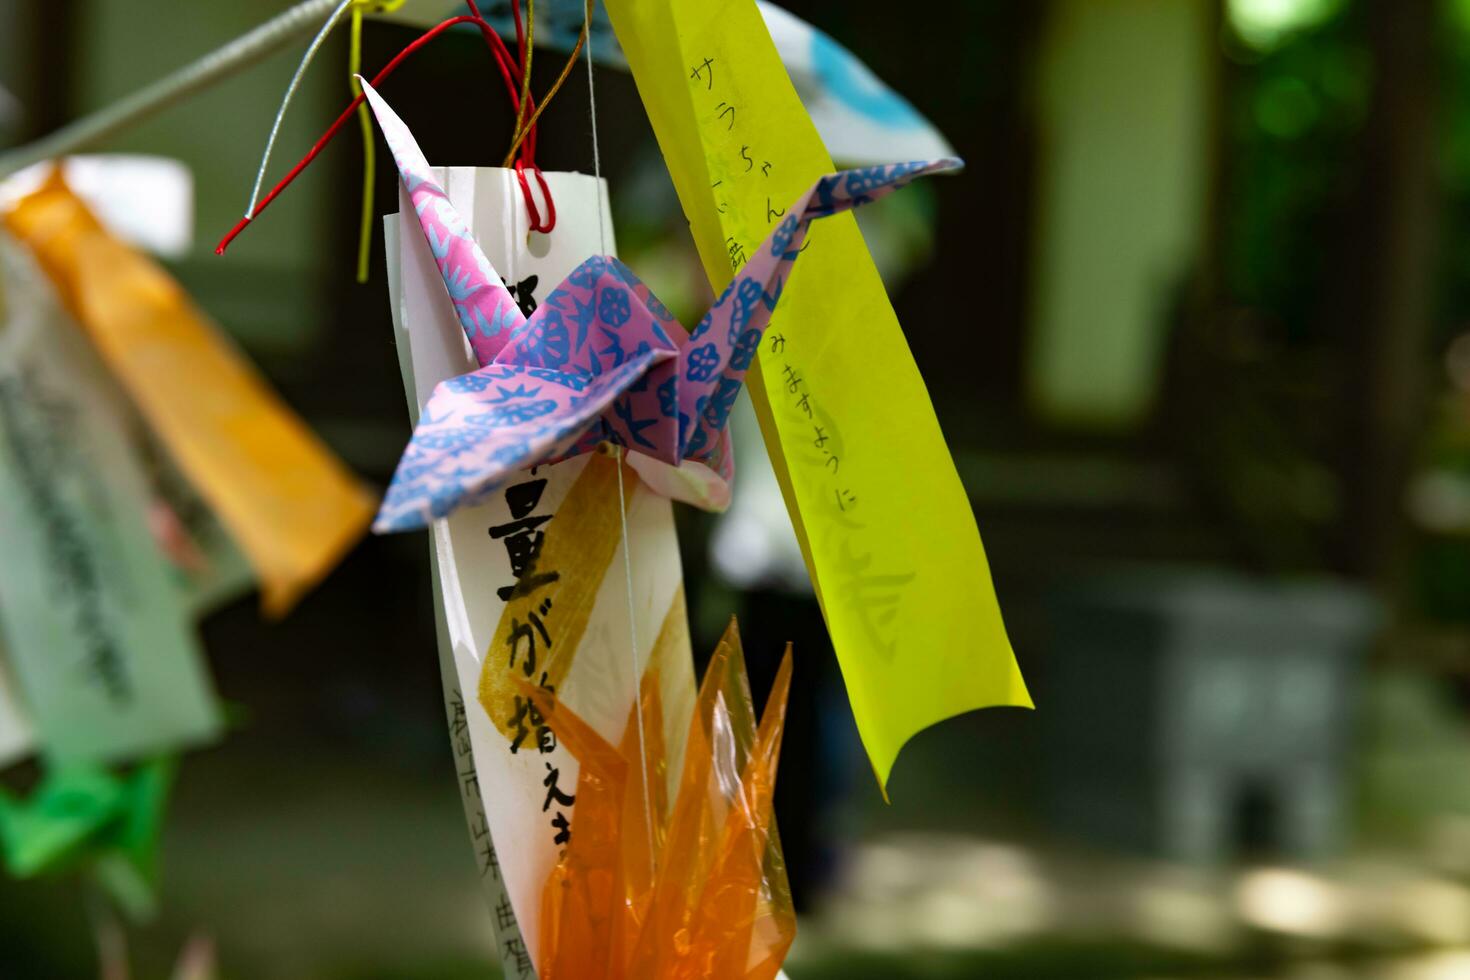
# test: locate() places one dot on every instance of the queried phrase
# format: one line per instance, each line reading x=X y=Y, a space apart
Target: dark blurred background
x=1196 y=323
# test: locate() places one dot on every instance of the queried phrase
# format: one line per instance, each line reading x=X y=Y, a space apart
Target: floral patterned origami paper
x=600 y=359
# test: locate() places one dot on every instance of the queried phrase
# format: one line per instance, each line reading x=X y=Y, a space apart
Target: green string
x=369 y=150
x=365 y=123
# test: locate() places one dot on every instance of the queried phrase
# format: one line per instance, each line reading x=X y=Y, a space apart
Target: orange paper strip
x=290 y=505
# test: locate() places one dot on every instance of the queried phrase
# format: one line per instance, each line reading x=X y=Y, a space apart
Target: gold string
x=521 y=126
x=522 y=131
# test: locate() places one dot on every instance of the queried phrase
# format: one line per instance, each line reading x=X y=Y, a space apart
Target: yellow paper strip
x=575 y=555
x=290 y=505
x=884 y=523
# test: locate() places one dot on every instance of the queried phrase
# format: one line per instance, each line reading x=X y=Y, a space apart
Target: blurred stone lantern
x=1203 y=716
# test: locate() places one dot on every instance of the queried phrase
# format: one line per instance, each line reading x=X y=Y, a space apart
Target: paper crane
x=700 y=889
x=601 y=359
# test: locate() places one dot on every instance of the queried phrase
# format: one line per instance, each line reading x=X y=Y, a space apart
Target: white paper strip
x=524 y=792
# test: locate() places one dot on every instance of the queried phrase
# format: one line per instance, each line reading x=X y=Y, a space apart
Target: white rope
x=306 y=60
x=149 y=100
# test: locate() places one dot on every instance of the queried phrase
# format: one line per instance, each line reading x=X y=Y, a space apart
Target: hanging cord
x=523 y=103
x=364 y=249
x=596 y=148
x=524 y=100
x=365 y=124
x=525 y=47
x=492 y=37
x=622 y=500
x=633 y=655
x=536 y=224
x=514 y=81
x=306 y=60
x=341 y=120
x=525 y=43
x=527 y=134
x=530 y=127
x=369 y=146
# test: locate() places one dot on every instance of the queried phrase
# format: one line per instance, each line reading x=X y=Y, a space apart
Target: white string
x=622 y=499
x=596 y=149
x=306 y=60
x=637 y=681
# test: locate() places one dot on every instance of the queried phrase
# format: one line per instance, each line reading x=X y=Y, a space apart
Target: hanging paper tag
x=510 y=945
x=286 y=500
x=93 y=615
x=532 y=583
x=882 y=519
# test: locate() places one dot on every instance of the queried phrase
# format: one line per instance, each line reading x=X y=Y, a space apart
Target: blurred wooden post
x=37 y=53
x=1123 y=97
x=1386 y=289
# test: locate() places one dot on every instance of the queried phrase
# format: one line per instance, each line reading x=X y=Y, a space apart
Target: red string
x=509 y=67
x=510 y=72
x=536 y=224
x=515 y=13
x=527 y=152
x=528 y=145
x=526 y=156
x=502 y=52
x=526 y=193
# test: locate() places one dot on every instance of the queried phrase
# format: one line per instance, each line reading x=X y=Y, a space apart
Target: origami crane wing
x=480 y=426
x=601 y=359
x=725 y=342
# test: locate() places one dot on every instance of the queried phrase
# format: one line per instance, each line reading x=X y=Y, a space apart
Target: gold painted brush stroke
x=579 y=546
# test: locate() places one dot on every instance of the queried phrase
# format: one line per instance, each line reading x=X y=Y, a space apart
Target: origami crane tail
x=848 y=189
x=486 y=310
x=721 y=348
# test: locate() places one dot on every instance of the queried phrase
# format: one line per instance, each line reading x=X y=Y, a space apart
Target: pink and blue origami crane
x=600 y=359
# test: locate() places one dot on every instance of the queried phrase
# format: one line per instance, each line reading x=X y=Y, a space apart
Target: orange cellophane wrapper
x=285 y=499
x=649 y=891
